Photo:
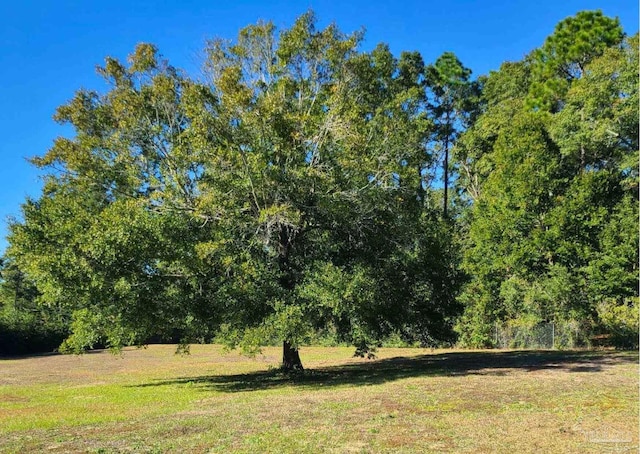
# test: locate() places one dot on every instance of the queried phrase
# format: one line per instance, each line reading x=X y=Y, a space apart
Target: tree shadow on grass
x=391 y=369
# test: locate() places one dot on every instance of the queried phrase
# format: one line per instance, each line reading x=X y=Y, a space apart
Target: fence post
x=553 y=336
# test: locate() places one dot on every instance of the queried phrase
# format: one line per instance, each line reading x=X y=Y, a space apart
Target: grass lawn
x=408 y=400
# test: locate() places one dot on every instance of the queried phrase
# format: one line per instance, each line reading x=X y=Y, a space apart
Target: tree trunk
x=290 y=358
x=420 y=191
x=446 y=175
x=583 y=157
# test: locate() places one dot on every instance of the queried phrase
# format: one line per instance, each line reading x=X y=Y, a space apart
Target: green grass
x=408 y=400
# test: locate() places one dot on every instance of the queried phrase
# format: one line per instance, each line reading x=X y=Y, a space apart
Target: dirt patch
x=10 y=398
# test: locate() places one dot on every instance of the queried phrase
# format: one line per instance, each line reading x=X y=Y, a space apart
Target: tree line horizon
x=304 y=189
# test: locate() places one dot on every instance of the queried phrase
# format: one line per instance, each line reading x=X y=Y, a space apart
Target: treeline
x=551 y=167
x=306 y=188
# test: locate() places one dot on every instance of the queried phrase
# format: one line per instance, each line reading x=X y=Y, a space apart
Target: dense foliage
x=26 y=326
x=296 y=190
x=283 y=196
x=552 y=167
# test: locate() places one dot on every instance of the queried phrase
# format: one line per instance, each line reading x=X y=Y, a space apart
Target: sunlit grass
x=408 y=400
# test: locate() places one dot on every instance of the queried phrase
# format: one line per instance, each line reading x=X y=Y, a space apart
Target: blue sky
x=50 y=48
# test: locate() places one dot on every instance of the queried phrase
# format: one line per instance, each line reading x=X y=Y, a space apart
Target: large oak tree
x=274 y=198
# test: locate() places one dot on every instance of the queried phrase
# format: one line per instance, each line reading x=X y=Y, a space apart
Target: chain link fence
x=541 y=336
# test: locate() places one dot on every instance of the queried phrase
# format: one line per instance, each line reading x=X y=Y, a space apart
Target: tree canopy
x=294 y=190
x=276 y=198
x=551 y=186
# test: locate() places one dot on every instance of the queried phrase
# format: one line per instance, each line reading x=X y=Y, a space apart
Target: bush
x=24 y=332
x=620 y=321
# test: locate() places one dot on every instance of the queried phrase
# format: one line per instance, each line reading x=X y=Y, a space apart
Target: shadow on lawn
x=384 y=370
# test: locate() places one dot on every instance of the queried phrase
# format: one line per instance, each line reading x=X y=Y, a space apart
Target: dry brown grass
x=408 y=400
